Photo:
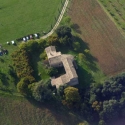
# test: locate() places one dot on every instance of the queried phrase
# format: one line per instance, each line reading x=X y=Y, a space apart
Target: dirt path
x=104 y=40
x=58 y=21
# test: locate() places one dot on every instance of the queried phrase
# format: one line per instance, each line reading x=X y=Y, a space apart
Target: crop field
x=100 y=34
x=19 y=111
x=20 y=18
x=116 y=9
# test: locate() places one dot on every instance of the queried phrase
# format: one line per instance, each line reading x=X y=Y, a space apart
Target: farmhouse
x=56 y=59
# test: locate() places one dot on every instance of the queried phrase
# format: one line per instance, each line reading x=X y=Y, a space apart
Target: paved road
x=58 y=21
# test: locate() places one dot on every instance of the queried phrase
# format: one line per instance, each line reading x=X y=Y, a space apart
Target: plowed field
x=104 y=40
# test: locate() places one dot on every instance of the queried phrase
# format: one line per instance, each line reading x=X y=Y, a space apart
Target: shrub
x=76 y=46
x=51 y=71
x=86 y=51
x=22 y=86
x=40 y=92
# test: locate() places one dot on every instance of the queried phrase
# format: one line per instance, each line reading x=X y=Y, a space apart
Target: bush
x=43 y=56
x=22 y=86
x=76 y=46
x=81 y=58
x=86 y=51
x=40 y=92
x=51 y=71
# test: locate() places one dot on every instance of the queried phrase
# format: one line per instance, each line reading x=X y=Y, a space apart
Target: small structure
x=56 y=59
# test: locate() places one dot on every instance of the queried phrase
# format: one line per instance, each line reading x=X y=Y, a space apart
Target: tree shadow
x=34 y=63
x=85 y=78
x=89 y=58
x=13 y=74
x=4 y=79
x=1 y=60
x=76 y=28
x=83 y=44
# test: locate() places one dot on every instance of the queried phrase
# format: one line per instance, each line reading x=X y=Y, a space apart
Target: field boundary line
x=58 y=21
x=112 y=19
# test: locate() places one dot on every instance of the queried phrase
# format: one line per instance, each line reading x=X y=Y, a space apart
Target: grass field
x=20 y=18
x=100 y=34
x=116 y=9
x=19 y=111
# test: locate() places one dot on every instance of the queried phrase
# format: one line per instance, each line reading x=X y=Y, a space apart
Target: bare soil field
x=104 y=40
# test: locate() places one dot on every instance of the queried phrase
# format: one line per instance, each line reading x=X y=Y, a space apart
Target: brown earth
x=104 y=40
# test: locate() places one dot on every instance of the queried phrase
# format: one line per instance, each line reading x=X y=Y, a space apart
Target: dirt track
x=103 y=38
x=58 y=21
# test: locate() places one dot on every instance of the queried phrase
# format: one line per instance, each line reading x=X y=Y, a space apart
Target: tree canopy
x=71 y=97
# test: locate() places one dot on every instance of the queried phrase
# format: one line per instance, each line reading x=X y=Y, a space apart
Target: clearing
x=104 y=40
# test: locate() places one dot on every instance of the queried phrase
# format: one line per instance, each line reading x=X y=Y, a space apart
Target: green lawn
x=20 y=18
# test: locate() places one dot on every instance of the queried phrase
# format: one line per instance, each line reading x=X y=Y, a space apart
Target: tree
x=42 y=44
x=97 y=105
x=81 y=58
x=40 y=92
x=30 y=46
x=63 y=31
x=71 y=97
x=53 y=40
x=109 y=111
x=22 y=86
